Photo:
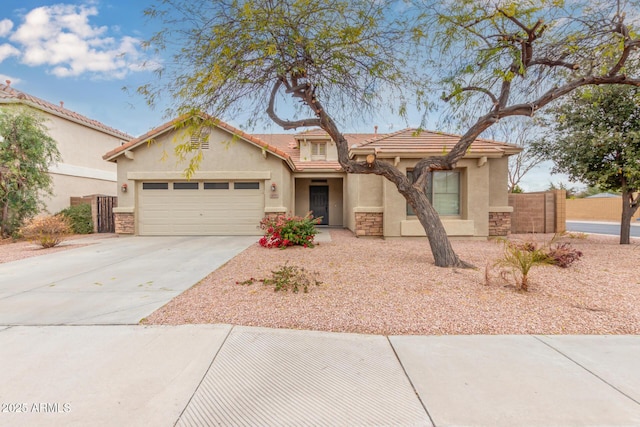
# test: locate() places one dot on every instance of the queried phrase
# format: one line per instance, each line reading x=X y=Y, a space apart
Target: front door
x=319 y=203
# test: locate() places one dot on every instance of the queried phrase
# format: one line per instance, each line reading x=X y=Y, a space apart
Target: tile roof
x=409 y=142
x=10 y=95
x=285 y=146
x=287 y=143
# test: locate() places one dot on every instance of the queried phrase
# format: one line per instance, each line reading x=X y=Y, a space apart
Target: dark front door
x=319 y=203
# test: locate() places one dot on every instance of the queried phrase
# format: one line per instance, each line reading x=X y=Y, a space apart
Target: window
x=216 y=185
x=443 y=191
x=318 y=150
x=246 y=185
x=155 y=185
x=446 y=192
x=185 y=185
x=200 y=139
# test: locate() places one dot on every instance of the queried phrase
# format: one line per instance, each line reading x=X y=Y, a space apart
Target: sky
x=87 y=54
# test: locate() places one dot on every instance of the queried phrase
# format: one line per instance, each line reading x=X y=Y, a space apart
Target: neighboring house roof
x=171 y=125
x=411 y=143
x=9 y=95
x=603 y=196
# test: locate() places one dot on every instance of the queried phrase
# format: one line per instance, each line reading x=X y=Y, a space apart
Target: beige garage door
x=200 y=208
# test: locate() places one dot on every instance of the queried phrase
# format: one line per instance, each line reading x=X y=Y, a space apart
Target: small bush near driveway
x=47 y=231
x=281 y=231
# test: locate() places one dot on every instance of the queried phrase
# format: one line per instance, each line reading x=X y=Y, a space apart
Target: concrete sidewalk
x=198 y=375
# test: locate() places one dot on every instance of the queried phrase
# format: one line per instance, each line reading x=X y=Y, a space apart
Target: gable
x=174 y=133
x=226 y=152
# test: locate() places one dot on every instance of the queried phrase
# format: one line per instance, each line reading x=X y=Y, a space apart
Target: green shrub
x=47 y=231
x=79 y=217
x=281 y=231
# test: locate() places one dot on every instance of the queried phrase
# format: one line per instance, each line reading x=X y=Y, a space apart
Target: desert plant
x=563 y=255
x=79 y=217
x=47 y=231
x=291 y=277
x=282 y=231
x=520 y=259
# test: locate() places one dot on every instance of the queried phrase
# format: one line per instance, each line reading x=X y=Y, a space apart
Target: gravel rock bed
x=391 y=287
x=14 y=251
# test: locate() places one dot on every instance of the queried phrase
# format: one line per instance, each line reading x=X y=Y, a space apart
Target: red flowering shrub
x=282 y=230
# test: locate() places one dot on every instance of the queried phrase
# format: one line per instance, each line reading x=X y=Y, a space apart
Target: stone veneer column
x=369 y=224
x=125 y=223
x=499 y=223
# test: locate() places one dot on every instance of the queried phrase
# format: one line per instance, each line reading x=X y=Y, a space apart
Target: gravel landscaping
x=14 y=251
x=392 y=287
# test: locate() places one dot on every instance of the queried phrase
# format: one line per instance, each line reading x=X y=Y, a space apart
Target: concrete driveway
x=114 y=281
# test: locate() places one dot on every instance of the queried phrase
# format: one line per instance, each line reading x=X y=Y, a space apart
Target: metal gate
x=105 y=205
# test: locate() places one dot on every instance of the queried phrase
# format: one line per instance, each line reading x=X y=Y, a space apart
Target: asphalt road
x=601 y=228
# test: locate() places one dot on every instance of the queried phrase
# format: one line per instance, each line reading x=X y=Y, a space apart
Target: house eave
x=30 y=104
x=422 y=154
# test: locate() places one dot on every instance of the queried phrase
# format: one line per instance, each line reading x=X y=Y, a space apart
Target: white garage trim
x=179 y=176
x=204 y=207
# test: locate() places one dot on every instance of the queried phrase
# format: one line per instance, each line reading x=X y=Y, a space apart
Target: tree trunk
x=629 y=207
x=5 y=215
x=443 y=253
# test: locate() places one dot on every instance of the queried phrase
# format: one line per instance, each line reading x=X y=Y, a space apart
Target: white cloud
x=6 y=50
x=62 y=37
x=5 y=27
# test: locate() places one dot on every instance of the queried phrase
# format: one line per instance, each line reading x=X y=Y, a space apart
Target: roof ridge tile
x=8 y=92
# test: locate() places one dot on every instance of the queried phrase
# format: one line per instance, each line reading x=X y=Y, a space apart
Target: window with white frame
x=318 y=150
x=443 y=191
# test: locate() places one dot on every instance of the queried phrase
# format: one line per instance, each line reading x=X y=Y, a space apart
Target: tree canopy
x=490 y=60
x=596 y=140
x=26 y=152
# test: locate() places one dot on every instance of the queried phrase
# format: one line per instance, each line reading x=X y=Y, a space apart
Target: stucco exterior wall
x=478 y=180
x=81 y=187
x=227 y=158
x=82 y=171
x=498 y=181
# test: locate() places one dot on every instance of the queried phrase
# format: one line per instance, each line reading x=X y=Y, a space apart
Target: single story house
x=244 y=177
x=81 y=142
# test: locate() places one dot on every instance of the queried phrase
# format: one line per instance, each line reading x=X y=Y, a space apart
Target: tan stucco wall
x=364 y=194
x=81 y=187
x=476 y=179
x=336 y=208
x=225 y=158
x=498 y=181
x=82 y=170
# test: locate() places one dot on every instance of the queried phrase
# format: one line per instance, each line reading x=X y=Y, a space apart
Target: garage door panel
x=200 y=212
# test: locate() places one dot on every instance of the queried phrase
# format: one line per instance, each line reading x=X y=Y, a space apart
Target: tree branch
x=286 y=124
x=553 y=63
x=474 y=88
x=628 y=47
x=551 y=95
